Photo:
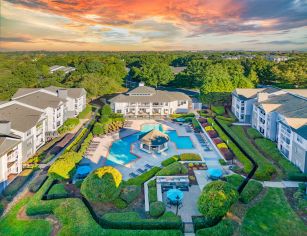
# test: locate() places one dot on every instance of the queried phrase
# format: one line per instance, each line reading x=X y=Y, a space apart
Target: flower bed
x=222 y=145
x=217 y=140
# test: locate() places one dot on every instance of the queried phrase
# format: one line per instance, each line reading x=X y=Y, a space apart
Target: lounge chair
x=148 y=166
x=133 y=175
x=140 y=170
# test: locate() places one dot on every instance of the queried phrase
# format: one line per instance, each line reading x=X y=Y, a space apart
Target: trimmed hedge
x=144 y=177
x=173 y=169
x=270 y=149
x=222 y=162
x=253 y=133
x=76 y=140
x=224 y=228
x=57 y=189
x=201 y=222
x=156 y=209
x=152 y=194
x=251 y=190
x=132 y=220
x=119 y=203
x=182 y=115
x=195 y=124
x=11 y=190
x=297 y=177
x=130 y=193
x=190 y=157
x=170 y=160
x=37 y=183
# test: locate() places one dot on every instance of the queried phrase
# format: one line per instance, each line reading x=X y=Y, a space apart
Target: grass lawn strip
x=272 y=216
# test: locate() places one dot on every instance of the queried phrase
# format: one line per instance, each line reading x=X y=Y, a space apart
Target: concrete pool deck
x=98 y=157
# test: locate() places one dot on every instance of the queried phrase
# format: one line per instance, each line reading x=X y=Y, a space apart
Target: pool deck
x=97 y=158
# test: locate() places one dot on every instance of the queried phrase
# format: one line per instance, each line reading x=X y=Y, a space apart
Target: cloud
x=20 y=39
x=283 y=42
x=63 y=41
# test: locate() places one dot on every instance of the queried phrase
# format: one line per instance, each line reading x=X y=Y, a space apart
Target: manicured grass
x=251 y=190
x=225 y=228
x=152 y=194
x=10 y=225
x=219 y=110
x=270 y=149
x=173 y=169
x=253 y=133
x=272 y=216
x=86 y=113
x=57 y=189
x=265 y=168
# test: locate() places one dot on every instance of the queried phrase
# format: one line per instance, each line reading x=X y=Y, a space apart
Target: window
x=299 y=139
x=28 y=133
x=29 y=142
x=118 y=111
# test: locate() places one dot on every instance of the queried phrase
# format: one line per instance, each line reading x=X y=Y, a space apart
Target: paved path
x=281 y=184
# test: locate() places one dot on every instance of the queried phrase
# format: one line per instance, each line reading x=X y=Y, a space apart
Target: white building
x=10 y=155
x=28 y=123
x=280 y=116
x=65 y=69
x=149 y=102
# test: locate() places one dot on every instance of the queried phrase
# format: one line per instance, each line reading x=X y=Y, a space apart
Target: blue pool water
x=120 y=149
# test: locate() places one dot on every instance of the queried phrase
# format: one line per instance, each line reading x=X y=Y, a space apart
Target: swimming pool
x=120 y=149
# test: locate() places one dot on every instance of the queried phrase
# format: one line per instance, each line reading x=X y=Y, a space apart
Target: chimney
x=262 y=97
x=62 y=93
x=5 y=127
x=141 y=84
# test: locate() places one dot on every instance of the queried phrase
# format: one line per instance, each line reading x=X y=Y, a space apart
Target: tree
x=106 y=110
x=216 y=85
x=102 y=185
x=216 y=199
x=98 y=129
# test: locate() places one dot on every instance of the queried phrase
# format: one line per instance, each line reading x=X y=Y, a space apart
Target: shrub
x=98 y=129
x=86 y=112
x=212 y=134
x=217 y=141
x=130 y=193
x=200 y=222
x=196 y=124
x=202 y=120
x=1 y=208
x=216 y=199
x=143 y=177
x=251 y=190
x=37 y=183
x=152 y=183
x=106 y=110
x=78 y=183
x=182 y=115
x=104 y=185
x=225 y=228
x=222 y=145
x=65 y=165
x=131 y=220
x=10 y=191
x=57 y=189
x=190 y=157
x=170 y=160
x=253 y=133
x=208 y=128
x=173 y=169
x=119 y=203
x=74 y=143
x=85 y=144
x=219 y=110
x=222 y=162
x=156 y=209
x=297 y=177
x=152 y=194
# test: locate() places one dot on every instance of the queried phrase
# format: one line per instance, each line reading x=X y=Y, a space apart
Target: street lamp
x=177 y=204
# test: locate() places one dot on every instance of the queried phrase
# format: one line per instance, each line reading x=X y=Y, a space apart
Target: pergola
x=153 y=141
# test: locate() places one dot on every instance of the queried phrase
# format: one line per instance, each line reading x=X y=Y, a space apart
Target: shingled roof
x=154 y=138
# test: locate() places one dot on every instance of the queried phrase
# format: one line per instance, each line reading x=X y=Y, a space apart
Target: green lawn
x=11 y=226
x=219 y=110
x=265 y=168
x=57 y=189
x=272 y=216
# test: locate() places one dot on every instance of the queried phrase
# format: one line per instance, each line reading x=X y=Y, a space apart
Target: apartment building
x=243 y=100
x=10 y=154
x=27 y=123
x=280 y=116
x=150 y=102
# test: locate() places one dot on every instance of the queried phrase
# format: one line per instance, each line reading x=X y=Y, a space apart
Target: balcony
x=144 y=105
x=12 y=158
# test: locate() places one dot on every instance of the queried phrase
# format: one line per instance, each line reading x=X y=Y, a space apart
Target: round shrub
x=216 y=199
x=156 y=209
x=102 y=185
x=120 y=203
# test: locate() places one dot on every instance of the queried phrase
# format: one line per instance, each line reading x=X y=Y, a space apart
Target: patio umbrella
x=180 y=120
x=83 y=170
x=174 y=195
x=215 y=173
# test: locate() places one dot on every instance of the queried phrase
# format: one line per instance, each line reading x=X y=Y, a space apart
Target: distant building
x=177 y=69
x=147 y=101
x=277 y=58
x=279 y=115
x=65 y=69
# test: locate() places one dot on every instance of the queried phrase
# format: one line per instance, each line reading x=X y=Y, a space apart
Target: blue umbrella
x=174 y=195
x=180 y=120
x=215 y=173
x=83 y=170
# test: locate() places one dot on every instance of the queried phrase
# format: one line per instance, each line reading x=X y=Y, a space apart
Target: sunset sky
x=153 y=25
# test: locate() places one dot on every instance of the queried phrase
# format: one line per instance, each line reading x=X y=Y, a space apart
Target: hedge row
x=182 y=115
x=131 y=220
x=173 y=169
x=251 y=190
x=265 y=168
x=37 y=183
x=144 y=177
x=76 y=140
x=11 y=190
x=235 y=149
x=181 y=157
